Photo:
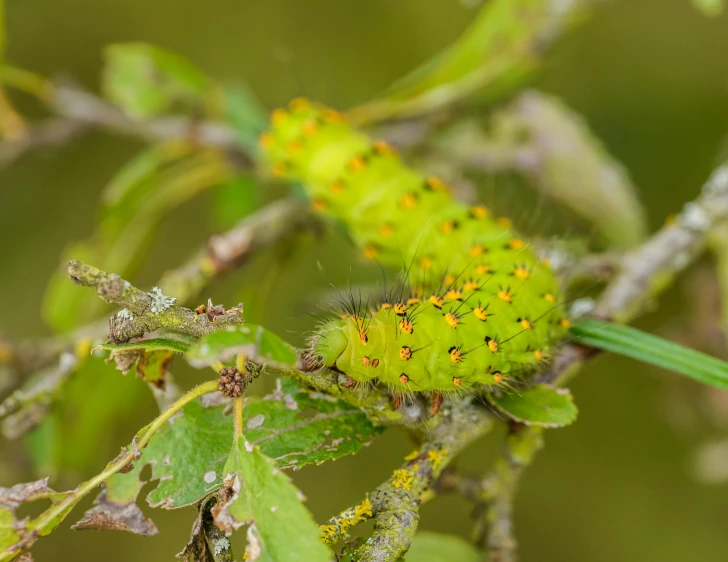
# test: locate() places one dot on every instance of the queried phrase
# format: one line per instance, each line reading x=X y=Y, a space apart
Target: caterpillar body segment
x=478 y=306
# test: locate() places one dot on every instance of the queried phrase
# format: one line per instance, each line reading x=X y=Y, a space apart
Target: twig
x=55 y=131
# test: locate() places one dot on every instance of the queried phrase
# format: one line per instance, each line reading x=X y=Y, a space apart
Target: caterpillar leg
x=436 y=403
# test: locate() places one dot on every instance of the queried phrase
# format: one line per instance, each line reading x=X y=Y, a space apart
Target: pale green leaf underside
x=428 y=546
x=539 y=405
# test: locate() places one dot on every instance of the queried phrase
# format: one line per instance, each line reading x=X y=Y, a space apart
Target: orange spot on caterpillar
x=413 y=300
x=265 y=139
x=405 y=353
x=565 y=323
x=516 y=244
x=404 y=379
x=332 y=115
x=408 y=200
x=436 y=184
x=299 y=103
x=319 y=205
x=449 y=279
x=375 y=363
x=363 y=336
x=294 y=147
x=370 y=252
x=525 y=323
x=400 y=309
x=383 y=148
x=546 y=262
x=337 y=187
x=471 y=286
x=386 y=230
x=365 y=361
x=482 y=269
x=505 y=295
x=492 y=344
x=479 y=211
x=278 y=116
x=455 y=355
x=456 y=381
x=357 y=163
x=539 y=355
x=481 y=313
x=448 y=226
x=453 y=295
x=437 y=301
x=385 y=306
x=451 y=320
x=550 y=298
x=310 y=127
x=503 y=222
x=521 y=273
x=497 y=377
x=425 y=263
x=280 y=169
x=406 y=326
x=477 y=250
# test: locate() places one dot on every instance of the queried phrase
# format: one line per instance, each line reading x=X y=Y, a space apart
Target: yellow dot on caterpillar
x=382 y=148
x=280 y=169
x=550 y=298
x=456 y=381
x=453 y=295
x=385 y=306
x=448 y=226
x=337 y=187
x=539 y=355
x=503 y=222
x=481 y=313
x=375 y=363
x=437 y=301
x=449 y=279
x=476 y=250
x=278 y=116
x=413 y=300
x=386 y=230
x=479 y=211
x=363 y=336
x=265 y=140
x=436 y=184
x=546 y=262
x=408 y=200
x=318 y=205
x=365 y=361
x=451 y=319
x=455 y=354
x=400 y=309
x=370 y=252
x=332 y=115
x=298 y=103
x=406 y=326
x=310 y=127
x=471 y=286
x=521 y=273
x=497 y=377
x=426 y=262
x=565 y=323
x=405 y=353
x=482 y=269
x=525 y=323
x=516 y=244
x=357 y=164
x=404 y=379
x=505 y=295
x=294 y=147
x=492 y=344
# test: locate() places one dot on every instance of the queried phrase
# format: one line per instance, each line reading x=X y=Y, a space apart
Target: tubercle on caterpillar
x=478 y=305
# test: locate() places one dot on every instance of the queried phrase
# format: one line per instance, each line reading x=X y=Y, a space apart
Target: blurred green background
x=650 y=77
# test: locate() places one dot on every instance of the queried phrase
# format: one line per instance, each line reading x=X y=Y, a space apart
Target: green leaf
x=281 y=528
x=438 y=547
x=710 y=8
x=153 y=344
x=653 y=350
x=146 y=80
x=234 y=200
x=293 y=426
x=246 y=114
x=253 y=341
x=539 y=405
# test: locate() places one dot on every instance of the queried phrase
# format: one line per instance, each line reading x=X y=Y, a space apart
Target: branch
x=146 y=312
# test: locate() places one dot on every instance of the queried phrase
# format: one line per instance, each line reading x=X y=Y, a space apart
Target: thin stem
x=26 y=81
x=238 y=416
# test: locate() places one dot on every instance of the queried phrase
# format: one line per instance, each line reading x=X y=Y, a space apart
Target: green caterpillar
x=476 y=303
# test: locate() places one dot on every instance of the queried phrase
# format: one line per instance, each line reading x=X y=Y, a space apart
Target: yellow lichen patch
x=479 y=211
x=363 y=511
x=412 y=456
x=402 y=478
x=516 y=244
x=436 y=300
x=451 y=320
x=476 y=250
x=329 y=534
x=455 y=355
x=405 y=353
x=481 y=313
x=505 y=295
x=453 y=295
x=406 y=326
x=436 y=456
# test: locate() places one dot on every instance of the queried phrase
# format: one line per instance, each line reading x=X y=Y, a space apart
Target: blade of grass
x=653 y=350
